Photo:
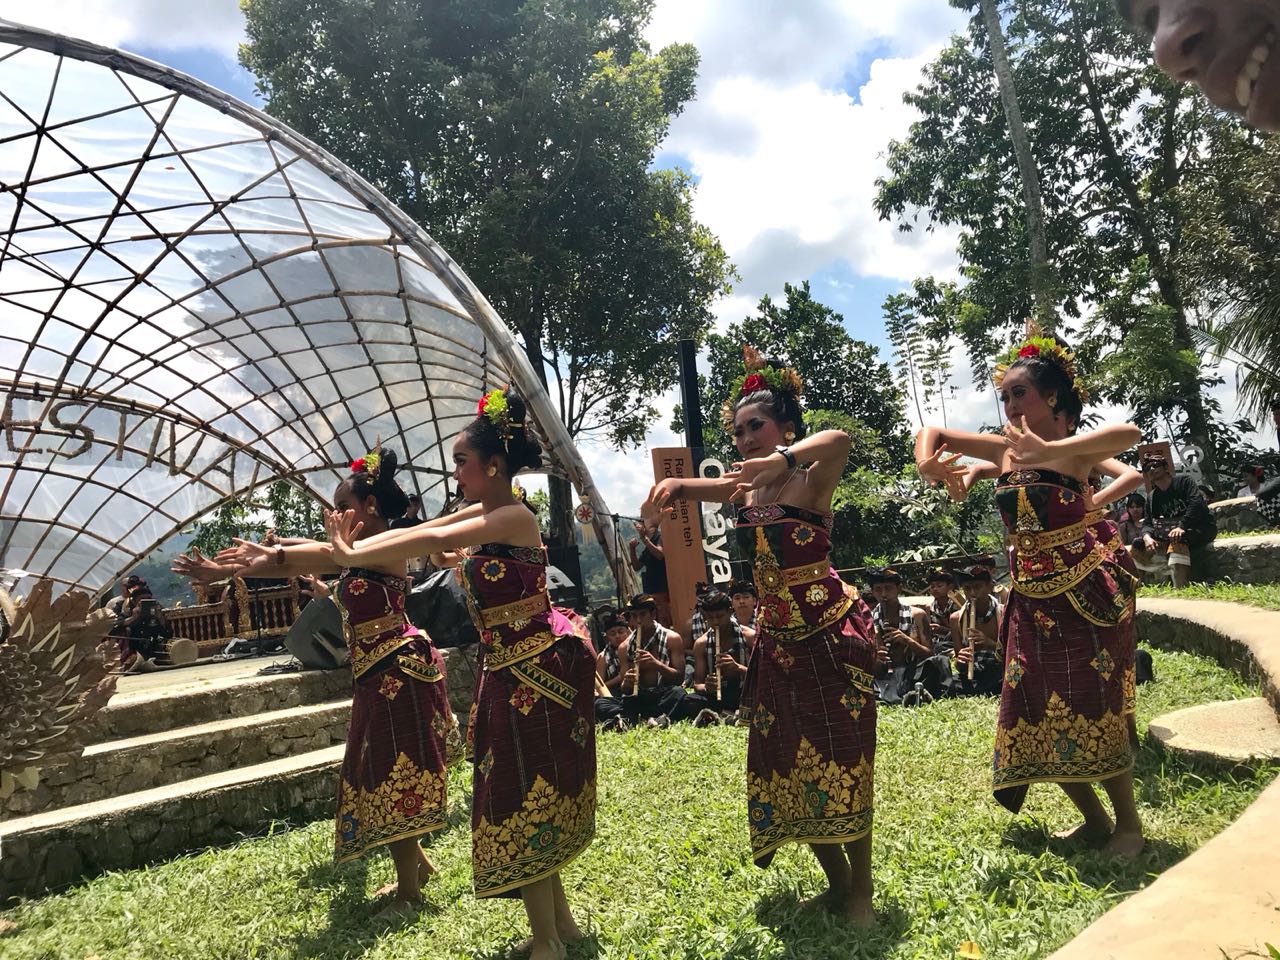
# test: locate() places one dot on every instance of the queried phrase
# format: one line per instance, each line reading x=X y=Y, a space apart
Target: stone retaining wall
x=169 y=710
x=37 y=861
x=103 y=771
x=1246 y=559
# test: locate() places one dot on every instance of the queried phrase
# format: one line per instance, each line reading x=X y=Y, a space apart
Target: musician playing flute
x=975 y=636
x=653 y=667
x=720 y=655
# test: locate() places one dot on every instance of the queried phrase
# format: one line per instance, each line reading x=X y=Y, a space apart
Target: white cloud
x=786 y=158
x=159 y=24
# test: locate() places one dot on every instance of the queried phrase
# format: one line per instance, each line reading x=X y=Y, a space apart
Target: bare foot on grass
x=1127 y=845
x=426 y=870
x=1085 y=833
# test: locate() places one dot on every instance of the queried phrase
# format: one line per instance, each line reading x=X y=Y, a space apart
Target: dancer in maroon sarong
x=532 y=728
x=391 y=789
x=1062 y=703
x=811 y=749
x=1125 y=479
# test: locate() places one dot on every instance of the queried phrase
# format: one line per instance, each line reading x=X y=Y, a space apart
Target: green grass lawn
x=669 y=875
x=1253 y=594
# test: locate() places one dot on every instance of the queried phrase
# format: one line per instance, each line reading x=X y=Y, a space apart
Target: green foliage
x=840 y=374
x=1266 y=595
x=522 y=136
x=669 y=874
x=292 y=513
x=1117 y=146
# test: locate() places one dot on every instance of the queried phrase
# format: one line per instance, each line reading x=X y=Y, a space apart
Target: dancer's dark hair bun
x=520 y=451
x=392 y=501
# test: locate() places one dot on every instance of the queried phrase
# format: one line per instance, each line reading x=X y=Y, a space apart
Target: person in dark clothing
x=1180 y=520
x=938 y=612
x=975 y=633
x=651 y=562
x=611 y=666
x=906 y=655
x=412 y=515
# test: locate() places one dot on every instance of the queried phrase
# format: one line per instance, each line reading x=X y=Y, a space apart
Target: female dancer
x=392 y=787
x=811 y=749
x=532 y=727
x=1062 y=703
x=1125 y=479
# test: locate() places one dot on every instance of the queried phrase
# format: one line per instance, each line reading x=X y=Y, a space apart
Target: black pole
x=690 y=400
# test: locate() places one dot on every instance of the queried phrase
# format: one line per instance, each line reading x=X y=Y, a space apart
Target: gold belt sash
x=525 y=609
x=772 y=579
x=371 y=628
x=1037 y=541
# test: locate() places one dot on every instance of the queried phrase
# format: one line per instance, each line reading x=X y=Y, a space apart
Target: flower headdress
x=370 y=464
x=495 y=408
x=1037 y=344
x=759 y=375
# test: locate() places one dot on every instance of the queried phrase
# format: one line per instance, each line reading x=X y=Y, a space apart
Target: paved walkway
x=1223 y=901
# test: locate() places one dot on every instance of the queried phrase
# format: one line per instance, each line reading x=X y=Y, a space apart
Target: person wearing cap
x=1180 y=523
x=611 y=666
x=975 y=636
x=745 y=599
x=731 y=643
x=658 y=654
x=941 y=606
x=906 y=654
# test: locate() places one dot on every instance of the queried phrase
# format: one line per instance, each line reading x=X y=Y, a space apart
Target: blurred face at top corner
x=1222 y=46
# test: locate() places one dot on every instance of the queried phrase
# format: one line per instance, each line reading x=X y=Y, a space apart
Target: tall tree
x=1042 y=282
x=521 y=134
x=1114 y=138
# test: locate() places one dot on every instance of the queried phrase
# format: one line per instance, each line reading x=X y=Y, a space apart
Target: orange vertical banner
x=681 y=527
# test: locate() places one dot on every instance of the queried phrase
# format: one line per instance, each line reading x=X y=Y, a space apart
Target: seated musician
x=975 y=635
x=905 y=654
x=998 y=590
x=653 y=671
x=745 y=599
x=720 y=655
x=941 y=606
x=611 y=667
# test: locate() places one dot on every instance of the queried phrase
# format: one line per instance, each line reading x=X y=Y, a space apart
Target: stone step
x=55 y=848
x=160 y=702
x=119 y=767
x=1233 y=732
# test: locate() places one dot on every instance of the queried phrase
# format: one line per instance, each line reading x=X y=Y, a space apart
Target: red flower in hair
x=484 y=402
x=753 y=383
x=1030 y=350
x=358 y=466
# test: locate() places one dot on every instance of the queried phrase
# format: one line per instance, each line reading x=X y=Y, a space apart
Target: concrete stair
x=58 y=847
x=184 y=759
x=1234 y=732
x=179 y=760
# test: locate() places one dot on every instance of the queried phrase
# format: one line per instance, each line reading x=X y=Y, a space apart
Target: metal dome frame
x=70 y=406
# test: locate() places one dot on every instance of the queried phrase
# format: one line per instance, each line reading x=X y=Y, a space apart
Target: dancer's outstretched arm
x=509 y=524
x=932 y=442
x=1125 y=480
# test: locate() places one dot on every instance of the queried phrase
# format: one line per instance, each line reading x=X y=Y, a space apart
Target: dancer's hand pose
x=343 y=530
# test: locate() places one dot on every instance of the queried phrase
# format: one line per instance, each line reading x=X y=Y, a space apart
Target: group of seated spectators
x=1173 y=531
x=648 y=675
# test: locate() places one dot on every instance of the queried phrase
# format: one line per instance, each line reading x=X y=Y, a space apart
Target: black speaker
x=316 y=637
x=438 y=605
x=565 y=580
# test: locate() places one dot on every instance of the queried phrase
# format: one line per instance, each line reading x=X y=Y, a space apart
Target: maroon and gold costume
x=1108 y=536
x=393 y=778
x=808 y=693
x=1062 y=702
x=532 y=730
